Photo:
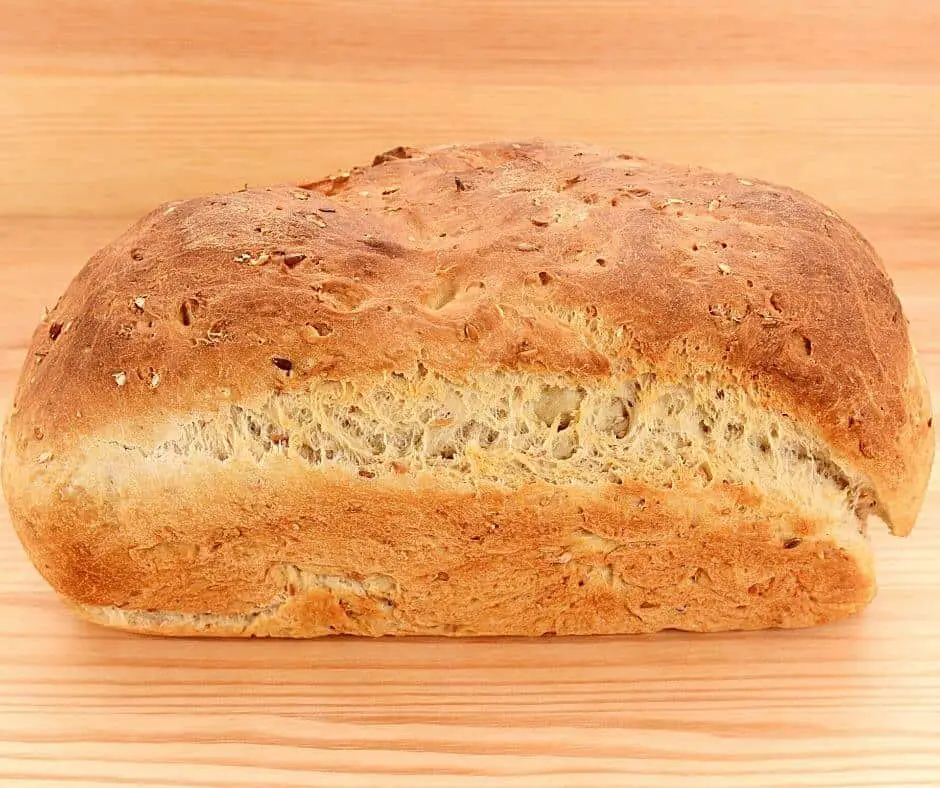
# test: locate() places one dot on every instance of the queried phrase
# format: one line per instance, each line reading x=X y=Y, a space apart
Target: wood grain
x=110 y=106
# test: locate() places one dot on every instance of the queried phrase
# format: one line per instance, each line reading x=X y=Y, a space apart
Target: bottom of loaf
x=215 y=625
x=816 y=582
x=297 y=553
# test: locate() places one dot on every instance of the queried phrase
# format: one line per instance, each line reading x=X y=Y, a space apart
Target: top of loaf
x=521 y=257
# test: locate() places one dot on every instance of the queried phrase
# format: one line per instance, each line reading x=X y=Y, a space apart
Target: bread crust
x=356 y=558
x=562 y=262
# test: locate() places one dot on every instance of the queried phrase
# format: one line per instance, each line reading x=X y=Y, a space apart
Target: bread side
x=472 y=355
x=508 y=504
x=303 y=553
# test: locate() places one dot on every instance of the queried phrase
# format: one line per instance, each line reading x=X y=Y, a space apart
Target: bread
x=518 y=389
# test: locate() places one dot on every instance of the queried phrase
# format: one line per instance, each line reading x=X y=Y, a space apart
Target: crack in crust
x=511 y=430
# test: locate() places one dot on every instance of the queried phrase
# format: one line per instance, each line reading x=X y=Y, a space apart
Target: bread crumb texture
x=500 y=389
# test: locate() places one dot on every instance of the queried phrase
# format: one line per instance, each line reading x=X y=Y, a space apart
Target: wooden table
x=110 y=106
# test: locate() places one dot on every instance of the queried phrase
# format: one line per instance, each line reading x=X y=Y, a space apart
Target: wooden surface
x=109 y=106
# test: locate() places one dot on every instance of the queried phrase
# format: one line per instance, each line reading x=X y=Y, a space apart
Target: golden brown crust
x=542 y=559
x=463 y=260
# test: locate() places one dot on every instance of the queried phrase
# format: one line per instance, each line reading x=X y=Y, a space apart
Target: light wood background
x=110 y=106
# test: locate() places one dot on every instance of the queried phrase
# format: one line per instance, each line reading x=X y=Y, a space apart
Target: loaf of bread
x=507 y=389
